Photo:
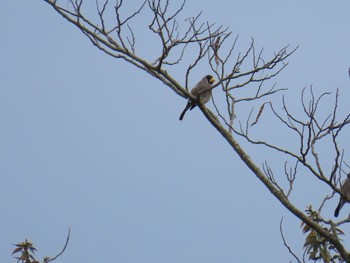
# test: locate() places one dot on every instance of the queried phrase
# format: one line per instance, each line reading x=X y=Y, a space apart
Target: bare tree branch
x=47 y=259
x=285 y=242
x=244 y=82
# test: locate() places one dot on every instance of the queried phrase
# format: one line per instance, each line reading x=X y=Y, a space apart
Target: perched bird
x=202 y=92
x=345 y=190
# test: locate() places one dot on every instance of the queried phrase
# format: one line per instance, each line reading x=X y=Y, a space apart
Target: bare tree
x=244 y=78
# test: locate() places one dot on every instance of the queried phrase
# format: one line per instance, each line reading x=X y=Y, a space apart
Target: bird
x=345 y=190
x=202 y=92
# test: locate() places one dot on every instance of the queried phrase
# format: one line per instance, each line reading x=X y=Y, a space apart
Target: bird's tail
x=337 y=210
x=189 y=105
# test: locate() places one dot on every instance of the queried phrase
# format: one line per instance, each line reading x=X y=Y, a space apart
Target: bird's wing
x=346 y=189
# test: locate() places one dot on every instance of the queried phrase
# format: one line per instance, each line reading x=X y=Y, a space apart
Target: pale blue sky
x=91 y=143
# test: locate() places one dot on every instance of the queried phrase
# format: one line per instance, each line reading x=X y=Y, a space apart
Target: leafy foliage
x=25 y=252
x=317 y=247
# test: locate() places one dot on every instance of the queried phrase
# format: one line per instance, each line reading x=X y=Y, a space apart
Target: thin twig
x=64 y=248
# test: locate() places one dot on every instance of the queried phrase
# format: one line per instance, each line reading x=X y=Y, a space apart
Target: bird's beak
x=212 y=80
